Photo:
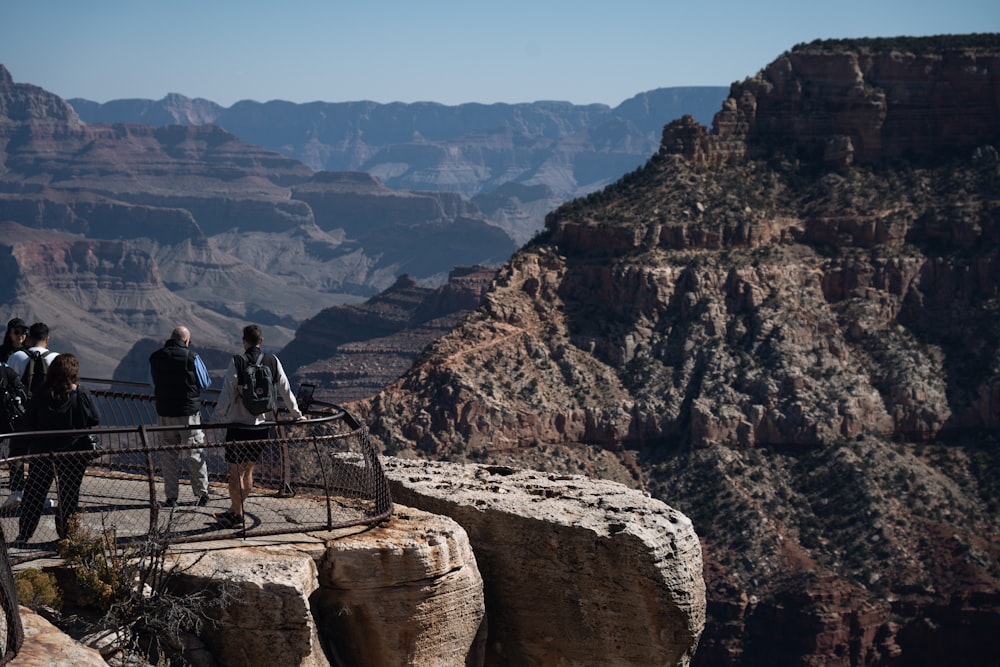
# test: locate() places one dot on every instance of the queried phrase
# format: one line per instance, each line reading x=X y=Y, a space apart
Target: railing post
x=154 y=507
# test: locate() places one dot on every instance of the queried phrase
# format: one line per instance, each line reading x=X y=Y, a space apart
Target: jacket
x=230 y=407
x=176 y=382
x=46 y=413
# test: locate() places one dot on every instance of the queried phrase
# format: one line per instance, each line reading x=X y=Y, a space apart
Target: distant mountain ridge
x=135 y=228
x=553 y=151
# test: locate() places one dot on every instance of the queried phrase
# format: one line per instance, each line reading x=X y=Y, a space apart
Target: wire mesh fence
x=318 y=474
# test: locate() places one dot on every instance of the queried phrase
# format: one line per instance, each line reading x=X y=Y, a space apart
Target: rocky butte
x=787 y=326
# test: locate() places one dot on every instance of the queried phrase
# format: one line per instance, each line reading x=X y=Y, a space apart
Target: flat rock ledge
x=577 y=571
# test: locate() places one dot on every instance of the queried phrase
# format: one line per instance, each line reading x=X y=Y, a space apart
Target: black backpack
x=255 y=382
x=14 y=400
x=33 y=378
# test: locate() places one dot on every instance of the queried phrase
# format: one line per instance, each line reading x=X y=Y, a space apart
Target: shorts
x=245 y=453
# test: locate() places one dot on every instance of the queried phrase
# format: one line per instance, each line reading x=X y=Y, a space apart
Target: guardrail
x=321 y=473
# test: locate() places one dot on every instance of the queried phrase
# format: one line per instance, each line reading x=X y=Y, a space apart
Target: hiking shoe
x=170 y=502
x=13 y=500
x=202 y=501
x=229 y=520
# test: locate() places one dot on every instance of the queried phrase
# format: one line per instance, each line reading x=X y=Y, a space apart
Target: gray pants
x=170 y=461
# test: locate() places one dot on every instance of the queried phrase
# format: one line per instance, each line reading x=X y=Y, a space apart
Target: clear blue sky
x=448 y=51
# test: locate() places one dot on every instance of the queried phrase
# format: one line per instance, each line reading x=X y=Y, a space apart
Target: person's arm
x=88 y=409
x=204 y=381
x=285 y=389
x=221 y=412
x=18 y=361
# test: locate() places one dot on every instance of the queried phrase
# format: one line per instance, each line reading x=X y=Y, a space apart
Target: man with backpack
x=249 y=396
x=178 y=376
x=31 y=365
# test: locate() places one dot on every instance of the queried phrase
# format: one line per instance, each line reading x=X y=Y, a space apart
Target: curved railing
x=321 y=473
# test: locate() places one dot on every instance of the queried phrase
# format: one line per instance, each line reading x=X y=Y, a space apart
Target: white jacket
x=230 y=407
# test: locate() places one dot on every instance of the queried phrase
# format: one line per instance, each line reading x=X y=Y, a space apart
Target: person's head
x=17 y=332
x=63 y=375
x=38 y=335
x=181 y=335
x=252 y=336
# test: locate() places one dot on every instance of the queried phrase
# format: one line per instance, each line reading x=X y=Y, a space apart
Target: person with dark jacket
x=61 y=404
x=178 y=376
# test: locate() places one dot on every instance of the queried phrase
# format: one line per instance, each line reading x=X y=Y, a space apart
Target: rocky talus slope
x=788 y=327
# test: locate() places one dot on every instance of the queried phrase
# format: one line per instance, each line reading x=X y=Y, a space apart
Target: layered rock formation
x=519 y=161
x=352 y=352
x=790 y=326
x=219 y=220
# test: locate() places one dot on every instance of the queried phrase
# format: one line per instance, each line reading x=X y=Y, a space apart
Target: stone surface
x=404 y=592
x=577 y=571
x=47 y=646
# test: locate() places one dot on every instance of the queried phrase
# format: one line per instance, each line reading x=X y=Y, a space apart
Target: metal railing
x=321 y=473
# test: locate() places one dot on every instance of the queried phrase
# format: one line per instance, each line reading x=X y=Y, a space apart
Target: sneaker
x=49 y=503
x=202 y=501
x=170 y=502
x=13 y=500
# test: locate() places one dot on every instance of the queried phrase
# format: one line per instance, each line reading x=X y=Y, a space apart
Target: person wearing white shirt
x=37 y=343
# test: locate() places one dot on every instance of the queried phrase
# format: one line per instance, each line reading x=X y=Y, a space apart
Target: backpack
x=33 y=378
x=255 y=383
x=14 y=399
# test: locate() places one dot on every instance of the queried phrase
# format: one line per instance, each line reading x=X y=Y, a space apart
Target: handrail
x=324 y=466
x=321 y=473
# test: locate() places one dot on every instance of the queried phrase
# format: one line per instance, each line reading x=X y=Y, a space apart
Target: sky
x=446 y=51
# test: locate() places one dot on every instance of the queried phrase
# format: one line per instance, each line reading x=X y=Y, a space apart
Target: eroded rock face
x=405 y=592
x=577 y=571
x=804 y=354
x=409 y=593
x=856 y=101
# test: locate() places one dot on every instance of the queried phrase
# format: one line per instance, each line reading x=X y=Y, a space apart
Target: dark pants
x=68 y=472
x=18 y=447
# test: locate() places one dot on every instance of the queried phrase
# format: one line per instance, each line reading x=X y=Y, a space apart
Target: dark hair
x=64 y=372
x=7 y=348
x=252 y=334
x=39 y=331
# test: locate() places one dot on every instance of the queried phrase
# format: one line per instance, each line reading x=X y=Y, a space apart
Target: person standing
x=13 y=339
x=178 y=376
x=61 y=404
x=36 y=344
x=243 y=457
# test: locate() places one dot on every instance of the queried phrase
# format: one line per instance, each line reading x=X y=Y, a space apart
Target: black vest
x=175 y=381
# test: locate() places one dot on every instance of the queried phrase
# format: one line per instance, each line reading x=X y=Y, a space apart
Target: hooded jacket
x=47 y=413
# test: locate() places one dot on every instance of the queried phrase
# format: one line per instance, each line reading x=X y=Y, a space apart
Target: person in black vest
x=178 y=376
x=243 y=457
